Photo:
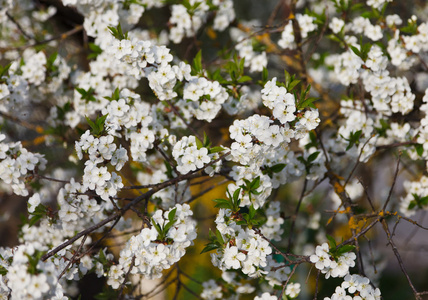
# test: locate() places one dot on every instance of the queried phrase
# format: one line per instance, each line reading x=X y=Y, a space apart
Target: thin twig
x=294 y=216
x=61 y=36
x=122 y=286
x=73 y=258
x=393 y=182
x=24 y=33
x=400 y=261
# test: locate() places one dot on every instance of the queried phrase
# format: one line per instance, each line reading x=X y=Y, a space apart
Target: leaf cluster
x=163 y=230
x=336 y=251
x=97 y=127
x=206 y=143
x=118 y=33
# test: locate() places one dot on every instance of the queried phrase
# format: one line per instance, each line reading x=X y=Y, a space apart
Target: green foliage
x=3 y=271
x=3 y=72
x=418 y=201
x=274 y=169
x=251 y=186
x=87 y=95
x=313 y=141
x=364 y=52
x=216 y=241
x=163 y=230
x=384 y=126
x=336 y=251
x=114 y=96
x=232 y=203
x=354 y=139
x=197 y=68
x=253 y=218
x=50 y=67
x=39 y=212
x=290 y=81
x=235 y=69
x=33 y=261
x=118 y=33
x=95 y=51
x=419 y=149
x=206 y=143
x=305 y=101
x=309 y=161
x=97 y=127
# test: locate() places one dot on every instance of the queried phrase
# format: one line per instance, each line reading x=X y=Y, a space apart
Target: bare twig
x=294 y=216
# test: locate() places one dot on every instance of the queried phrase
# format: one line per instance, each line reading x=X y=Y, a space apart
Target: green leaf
x=50 y=61
x=197 y=63
x=207 y=142
x=244 y=79
x=168 y=226
x=87 y=95
x=4 y=70
x=354 y=139
x=211 y=235
x=255 y=184
x=157 y=227
x=199 y=144
x=419 y=149
x=215 y=149
x=252 y=211
x=292 y=84
x=265 y=75
x=168 y=169
x=223 y=203
x=309 y=102
x=277 y=168
x=102 y=257
x=33 y=220
x=345 y=249
x=412 y=204
x=313 y=156
x=115 y=95
x=3 y=271
x=236 y=195
x=171 y=214
x=95 y=51
x=332 y=242
x=118 y=33
x=210 y=247
x=219 y=237
x=287 y=77
x=101 y=121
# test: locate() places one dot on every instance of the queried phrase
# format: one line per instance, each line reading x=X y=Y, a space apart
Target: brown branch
x=400 y=261
x=393 y=182
x=73 y=258
x=294 y=216
x=24 y=33
x=61 y=36
x=118 y=215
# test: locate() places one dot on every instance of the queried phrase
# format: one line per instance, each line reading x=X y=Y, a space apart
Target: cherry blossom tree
x=126 y=123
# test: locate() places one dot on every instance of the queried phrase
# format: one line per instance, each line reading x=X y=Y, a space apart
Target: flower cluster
x=188 y=156
x=244 y=248
x=135 y=107
x=355 y=287
x=255 y=59
x=306 y=24
x=16 y=163
x=156 y=247
x=334 y=267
